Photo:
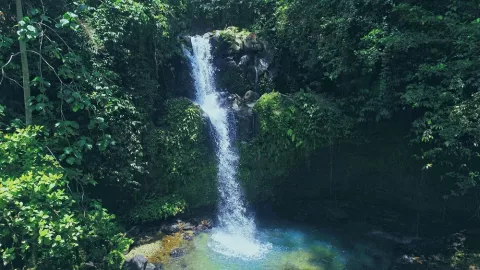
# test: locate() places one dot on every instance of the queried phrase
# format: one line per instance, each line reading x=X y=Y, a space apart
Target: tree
x=25 y=71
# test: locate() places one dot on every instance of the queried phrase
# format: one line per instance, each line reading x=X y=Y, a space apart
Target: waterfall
x=235 y=235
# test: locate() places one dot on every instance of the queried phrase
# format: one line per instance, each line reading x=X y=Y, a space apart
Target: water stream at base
x=235 y=235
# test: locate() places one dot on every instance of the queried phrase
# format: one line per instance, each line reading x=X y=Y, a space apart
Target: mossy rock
x=290 y=128
x=235 y=81
x=160 y=248
x=234 y=37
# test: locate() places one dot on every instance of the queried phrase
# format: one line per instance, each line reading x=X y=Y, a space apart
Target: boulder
x=243 y=109
x=185 y=40
x=236 y=46
x=151 y=266
x=138 y=262
x=170 y=228
x=187 y=226
x=244 y=61
x=188 y=237
x=250 y=42
x=177 y=252
x=203 y=225
x=251 y=96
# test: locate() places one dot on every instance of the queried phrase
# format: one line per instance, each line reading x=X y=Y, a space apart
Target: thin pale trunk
x=25 y=71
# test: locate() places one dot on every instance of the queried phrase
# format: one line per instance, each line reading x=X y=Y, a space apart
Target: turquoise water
x=297 y=247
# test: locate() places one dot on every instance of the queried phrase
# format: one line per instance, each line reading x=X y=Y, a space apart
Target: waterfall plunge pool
x=289 y=246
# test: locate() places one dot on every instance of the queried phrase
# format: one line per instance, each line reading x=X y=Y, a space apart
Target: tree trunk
x=25 y=71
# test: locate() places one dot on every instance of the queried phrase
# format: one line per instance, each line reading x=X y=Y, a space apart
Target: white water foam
x=235 y=235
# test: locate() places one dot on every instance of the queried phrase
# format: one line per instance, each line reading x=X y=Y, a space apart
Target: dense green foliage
x=156 y=208
x=182 y=162
x=94 y=90
x=43 y=225
x=382 y=59
x=291 y=129
x=371 y=97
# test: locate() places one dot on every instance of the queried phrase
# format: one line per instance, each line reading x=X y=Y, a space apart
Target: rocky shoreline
x=153 y=245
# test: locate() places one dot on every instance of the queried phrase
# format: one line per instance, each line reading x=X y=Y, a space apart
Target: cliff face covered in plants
x=364 y=104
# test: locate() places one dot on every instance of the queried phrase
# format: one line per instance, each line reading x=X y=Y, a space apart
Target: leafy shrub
x=233 y=35
x=42 y=226
x=182 y=164
x=185 y=153
x=157 y=208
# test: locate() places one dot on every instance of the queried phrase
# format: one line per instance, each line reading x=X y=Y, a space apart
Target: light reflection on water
x=291 y=248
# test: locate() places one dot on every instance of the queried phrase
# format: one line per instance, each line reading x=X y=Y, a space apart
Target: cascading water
x=235 y=235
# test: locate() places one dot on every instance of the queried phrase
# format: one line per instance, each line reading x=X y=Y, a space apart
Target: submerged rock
x=138 y=262
x=188 y=237
x=151 y=266
x=177 y=252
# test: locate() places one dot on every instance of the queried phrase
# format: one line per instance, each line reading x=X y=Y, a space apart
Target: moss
x=150 y=250
x=158 y=249
x=290 y=129
x=233 y=35
x=169 y=243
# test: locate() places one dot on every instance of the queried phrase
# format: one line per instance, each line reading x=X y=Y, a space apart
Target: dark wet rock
x=177 y=252
x=185 y=39
x=243 y=110
x=90 y=265
x=236 y=46
x=231 y=64
x=188 y=237
x=241 y=60
x=151 y=266
x=187 y=226
x=221 y=63
x=250 y=43
x=200 y=229
x=170 y=228
x=204 y=225
x=138 y=262
x=207 y=223
x=177 y=227
x=251 y=96
x=244 y=61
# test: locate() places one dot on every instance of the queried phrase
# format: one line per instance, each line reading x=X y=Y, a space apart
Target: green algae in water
x=158 y=249
x=291 y=250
